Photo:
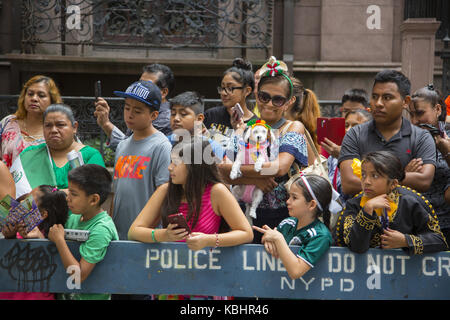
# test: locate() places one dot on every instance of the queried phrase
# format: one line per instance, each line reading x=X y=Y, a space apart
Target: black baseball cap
x=144 y=91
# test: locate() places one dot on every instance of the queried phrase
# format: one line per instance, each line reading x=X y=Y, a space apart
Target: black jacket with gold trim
x=414 y=217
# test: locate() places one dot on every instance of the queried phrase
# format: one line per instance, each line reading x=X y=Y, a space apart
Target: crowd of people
x=391 y=174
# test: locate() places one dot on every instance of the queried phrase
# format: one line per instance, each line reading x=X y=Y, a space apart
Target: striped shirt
x=313 y=240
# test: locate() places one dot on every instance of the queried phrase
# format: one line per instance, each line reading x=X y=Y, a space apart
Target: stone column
x=418 y=48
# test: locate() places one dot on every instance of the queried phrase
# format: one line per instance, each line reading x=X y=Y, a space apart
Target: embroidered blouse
x=411 y=214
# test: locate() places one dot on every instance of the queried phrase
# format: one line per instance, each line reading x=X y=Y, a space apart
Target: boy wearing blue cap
x=141 y=160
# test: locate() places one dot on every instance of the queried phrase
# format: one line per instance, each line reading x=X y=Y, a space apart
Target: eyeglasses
x=277 y=101
x=228 y=90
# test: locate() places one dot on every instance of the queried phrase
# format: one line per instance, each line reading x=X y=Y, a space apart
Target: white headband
x=310 y=191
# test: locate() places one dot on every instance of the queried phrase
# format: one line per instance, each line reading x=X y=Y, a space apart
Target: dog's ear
x=247 y=134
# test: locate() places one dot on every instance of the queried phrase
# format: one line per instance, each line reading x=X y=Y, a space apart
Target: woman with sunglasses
x=274 y=95
x=237 y=85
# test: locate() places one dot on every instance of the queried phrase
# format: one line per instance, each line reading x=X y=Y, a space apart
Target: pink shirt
x=208 y=222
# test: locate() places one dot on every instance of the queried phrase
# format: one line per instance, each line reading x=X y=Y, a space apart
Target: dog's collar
x=258 y=145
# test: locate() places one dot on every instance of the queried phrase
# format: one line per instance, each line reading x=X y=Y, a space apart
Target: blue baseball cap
x=144 y=91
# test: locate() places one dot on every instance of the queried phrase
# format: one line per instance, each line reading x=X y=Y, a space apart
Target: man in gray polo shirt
x=389 y=131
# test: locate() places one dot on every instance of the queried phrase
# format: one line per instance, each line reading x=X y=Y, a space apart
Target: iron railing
x=174 y=24
x=90 y=133
x=439 y=9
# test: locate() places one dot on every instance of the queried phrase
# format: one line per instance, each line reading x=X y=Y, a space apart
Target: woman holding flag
x=47 y=163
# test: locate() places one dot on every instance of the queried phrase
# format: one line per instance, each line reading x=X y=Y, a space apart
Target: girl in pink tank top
x=196 y=191
x=208 y=221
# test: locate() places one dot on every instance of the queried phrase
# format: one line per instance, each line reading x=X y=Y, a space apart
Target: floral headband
x=254 y=122
x=275 y=67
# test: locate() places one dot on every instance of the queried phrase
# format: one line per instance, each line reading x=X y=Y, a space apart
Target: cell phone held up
x=179 y=220
x=433 y=130
x=331 y=128
x=238 y=113
x=98 y=89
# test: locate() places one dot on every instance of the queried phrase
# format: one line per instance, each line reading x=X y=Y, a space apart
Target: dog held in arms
x=252 y=150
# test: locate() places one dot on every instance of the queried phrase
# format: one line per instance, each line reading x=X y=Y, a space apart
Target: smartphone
x=331 y=128
x=180 y=220
x=433 y=130
x=237 y=110
x=98 y=89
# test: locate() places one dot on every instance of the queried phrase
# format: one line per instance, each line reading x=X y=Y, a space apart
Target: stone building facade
x=331 y=45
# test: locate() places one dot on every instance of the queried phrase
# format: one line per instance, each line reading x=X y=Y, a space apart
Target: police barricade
x=244 y=271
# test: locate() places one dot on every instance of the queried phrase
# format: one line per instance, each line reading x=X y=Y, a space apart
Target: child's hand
x=173 y=233
x=271 y=248
x=393 y=239
x=22 y=230
x=381 y=201
x=9 y=231
x=272 y=235
x=33 y=234
x=197 y=240
x=56 y=233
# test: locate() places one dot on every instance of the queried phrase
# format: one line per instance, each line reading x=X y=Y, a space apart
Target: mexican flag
x=32 y=168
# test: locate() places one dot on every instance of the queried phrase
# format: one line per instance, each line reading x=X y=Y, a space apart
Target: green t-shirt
x=89 y=154
x=314 y=239
x=102 y=232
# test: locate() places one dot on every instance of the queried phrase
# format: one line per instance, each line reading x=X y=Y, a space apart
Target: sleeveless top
x=12 y=139
x=208 y=222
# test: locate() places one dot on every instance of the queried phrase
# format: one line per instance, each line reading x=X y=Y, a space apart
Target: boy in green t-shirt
x=89 y=186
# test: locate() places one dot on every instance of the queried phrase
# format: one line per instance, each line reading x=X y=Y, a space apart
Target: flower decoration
x=273 y=67
x=356 y=166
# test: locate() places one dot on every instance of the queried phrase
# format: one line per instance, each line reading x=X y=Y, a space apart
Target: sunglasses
x=277 y=101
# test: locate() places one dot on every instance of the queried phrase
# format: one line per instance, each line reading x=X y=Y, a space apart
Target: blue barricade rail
x=243 y=271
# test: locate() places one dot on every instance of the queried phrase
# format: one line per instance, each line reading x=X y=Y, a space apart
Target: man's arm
x=420 y=181
x=447 y=195
x=350 y=183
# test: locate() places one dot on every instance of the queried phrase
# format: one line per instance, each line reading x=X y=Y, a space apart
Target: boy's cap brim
x=122 y=94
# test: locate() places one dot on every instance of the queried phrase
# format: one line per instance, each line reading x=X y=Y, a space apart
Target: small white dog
x=252 y=150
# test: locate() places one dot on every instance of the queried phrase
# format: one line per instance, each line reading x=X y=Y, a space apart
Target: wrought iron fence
x=439 y=9
x=210 y=24
x=90 y=133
